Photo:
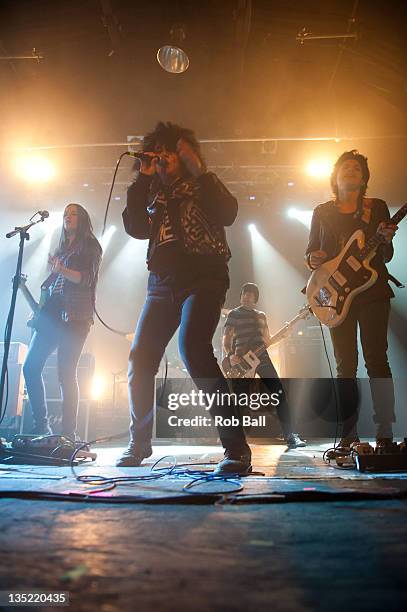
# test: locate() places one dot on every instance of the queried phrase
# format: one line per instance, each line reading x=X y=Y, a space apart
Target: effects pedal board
x=389 y=458
x=49 y=450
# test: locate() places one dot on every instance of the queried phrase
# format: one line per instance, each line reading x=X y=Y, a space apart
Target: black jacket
x=324 y=235
x=198 y=219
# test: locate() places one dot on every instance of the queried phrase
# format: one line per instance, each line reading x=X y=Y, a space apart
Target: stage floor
x=151 y=546
x=276 y=471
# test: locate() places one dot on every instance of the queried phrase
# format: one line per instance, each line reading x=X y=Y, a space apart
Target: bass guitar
x=332 y=287
x=246 y=368
x=35 y=306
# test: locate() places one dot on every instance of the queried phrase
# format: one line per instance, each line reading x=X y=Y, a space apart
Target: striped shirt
x=248 y=326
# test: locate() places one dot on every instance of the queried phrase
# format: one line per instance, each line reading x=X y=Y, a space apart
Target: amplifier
x=303 y=357
x=16 y=354
x=15 y=394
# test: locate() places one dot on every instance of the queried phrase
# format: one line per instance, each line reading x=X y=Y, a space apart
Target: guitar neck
x=33 y=304
x=372 y=244
x=279 y=335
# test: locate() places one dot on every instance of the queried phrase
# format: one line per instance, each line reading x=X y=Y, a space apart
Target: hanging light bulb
x=172 y=58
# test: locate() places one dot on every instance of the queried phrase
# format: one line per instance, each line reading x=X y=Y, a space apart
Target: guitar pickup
x=353 y=263
x=339 y=278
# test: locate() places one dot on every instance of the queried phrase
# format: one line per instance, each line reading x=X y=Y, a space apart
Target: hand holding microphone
x=148 y=162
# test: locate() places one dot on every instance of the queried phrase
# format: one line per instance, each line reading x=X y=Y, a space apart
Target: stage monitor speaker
x=15 y=389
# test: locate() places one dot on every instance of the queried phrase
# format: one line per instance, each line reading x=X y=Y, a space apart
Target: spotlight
x=251 y=227
x=98 y=388
x=319 y=168
x=107 y=236
x=301 y=215
x=252 y=197
x=290 y=184
x=34 y=168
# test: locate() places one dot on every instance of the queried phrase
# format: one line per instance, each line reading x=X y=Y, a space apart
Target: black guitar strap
x=394 y=280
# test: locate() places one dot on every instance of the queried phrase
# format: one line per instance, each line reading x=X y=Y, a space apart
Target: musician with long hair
x=65 y=318
x=332 y=225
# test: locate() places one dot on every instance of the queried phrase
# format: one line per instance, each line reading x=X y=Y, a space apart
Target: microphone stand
x=24 y=235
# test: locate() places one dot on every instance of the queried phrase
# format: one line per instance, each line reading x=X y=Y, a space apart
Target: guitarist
x=332 y=225
x=64 y=320
x=245 y=329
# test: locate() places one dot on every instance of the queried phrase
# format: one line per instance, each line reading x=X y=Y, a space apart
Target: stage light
x=290 y=184
x=301 y=215
x=107 y=236
x=319 y=168
x=172 y=57
x=34 y=168
x=99 y=386
x=251 y=227
x=252 y=197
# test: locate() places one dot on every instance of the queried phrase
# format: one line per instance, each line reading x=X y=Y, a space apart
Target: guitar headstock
x=305 y=312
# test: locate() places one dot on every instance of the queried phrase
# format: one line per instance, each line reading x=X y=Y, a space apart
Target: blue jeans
x=68 y=338
x=194 y=307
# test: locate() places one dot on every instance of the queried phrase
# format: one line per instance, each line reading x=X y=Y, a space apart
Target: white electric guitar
x=332 y=287
x=246 y=368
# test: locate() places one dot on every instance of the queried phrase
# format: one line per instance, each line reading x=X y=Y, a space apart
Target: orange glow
x=34 y=168
x=99 y=386
x=319 y=168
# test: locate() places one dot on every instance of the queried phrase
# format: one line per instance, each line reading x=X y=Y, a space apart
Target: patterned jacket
x=198 y=210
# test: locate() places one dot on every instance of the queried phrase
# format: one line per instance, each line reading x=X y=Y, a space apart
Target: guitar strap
x=394 y=280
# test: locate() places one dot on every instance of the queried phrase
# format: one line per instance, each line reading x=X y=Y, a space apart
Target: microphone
x=147 y=158
x=142 y=156
x=44 y=214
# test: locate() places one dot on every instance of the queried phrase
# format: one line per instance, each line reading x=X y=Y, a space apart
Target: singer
x=64 y=321
x=182 y=209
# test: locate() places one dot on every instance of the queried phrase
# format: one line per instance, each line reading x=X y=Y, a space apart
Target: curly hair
x=168 y=134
